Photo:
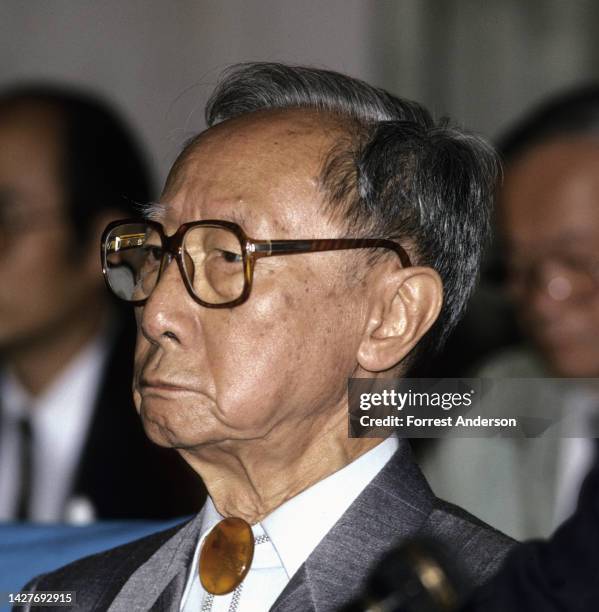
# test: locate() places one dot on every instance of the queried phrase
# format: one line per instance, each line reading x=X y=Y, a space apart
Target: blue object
x=29 y=549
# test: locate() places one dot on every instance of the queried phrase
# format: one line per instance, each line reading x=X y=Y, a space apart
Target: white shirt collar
x=297 y=527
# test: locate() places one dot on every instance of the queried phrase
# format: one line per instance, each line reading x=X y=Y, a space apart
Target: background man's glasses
x=561 y=276
x=215 y=258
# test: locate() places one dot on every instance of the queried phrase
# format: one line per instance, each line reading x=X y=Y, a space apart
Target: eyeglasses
x=562 y=276
x=216 y=259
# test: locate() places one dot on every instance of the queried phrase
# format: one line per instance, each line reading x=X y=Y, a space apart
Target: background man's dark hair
x=103 y=168
x=573 y=112
x=394 y=174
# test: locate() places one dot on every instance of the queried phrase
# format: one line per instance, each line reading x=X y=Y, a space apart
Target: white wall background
x=485 y=61
x=158 y=59
x=481 y=61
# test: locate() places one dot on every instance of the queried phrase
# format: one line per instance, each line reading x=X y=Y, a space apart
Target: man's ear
x=403 y=306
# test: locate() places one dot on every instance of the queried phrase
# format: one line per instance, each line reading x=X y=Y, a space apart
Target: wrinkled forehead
x=260 y=170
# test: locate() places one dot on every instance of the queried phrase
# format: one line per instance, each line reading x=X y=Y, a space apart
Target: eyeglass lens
x=212 y=262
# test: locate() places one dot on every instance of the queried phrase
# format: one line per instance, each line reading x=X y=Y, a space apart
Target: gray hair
x=395 y=174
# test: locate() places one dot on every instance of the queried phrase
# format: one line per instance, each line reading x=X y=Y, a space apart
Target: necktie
x=25 y=468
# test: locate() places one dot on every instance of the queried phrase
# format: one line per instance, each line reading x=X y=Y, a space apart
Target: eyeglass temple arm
x=126 y=241
x=289 y=247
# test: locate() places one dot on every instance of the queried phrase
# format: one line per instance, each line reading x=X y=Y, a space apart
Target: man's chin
x=158 y=435
x=169 y=436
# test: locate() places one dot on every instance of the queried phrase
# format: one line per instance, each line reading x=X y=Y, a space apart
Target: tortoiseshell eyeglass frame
x=252 y=249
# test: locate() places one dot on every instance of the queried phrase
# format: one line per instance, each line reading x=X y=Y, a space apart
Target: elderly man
x=305 y=237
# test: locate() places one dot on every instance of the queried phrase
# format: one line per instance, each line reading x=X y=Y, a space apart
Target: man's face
x=550 y=217
x=279 y=362
x=40 y=288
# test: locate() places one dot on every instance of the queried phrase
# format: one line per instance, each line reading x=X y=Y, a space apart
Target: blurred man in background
x=71 y=447
x=548 y=219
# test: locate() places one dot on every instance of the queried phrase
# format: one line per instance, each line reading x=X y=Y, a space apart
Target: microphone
x=414 y=577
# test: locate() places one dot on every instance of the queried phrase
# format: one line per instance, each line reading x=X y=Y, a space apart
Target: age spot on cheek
x=289 y=301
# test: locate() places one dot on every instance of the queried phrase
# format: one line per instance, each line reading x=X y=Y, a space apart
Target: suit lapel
x=393 y=507
x=168 y=600
x=158 y=584
x=297 y=596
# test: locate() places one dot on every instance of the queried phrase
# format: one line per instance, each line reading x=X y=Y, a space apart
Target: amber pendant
x=226 y=556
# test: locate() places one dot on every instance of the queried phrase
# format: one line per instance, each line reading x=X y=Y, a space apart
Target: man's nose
x=166 y=315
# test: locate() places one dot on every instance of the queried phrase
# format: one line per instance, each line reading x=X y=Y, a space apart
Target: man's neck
x=250 y=481
x=37 y=365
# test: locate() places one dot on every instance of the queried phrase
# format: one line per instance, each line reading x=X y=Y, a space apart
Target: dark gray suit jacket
x=150 y=574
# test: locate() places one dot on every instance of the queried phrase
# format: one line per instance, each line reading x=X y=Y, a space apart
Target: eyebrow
x=241 y=218
x=154 y=211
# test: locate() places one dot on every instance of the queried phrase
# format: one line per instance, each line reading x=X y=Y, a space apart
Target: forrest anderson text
x=414 y=421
